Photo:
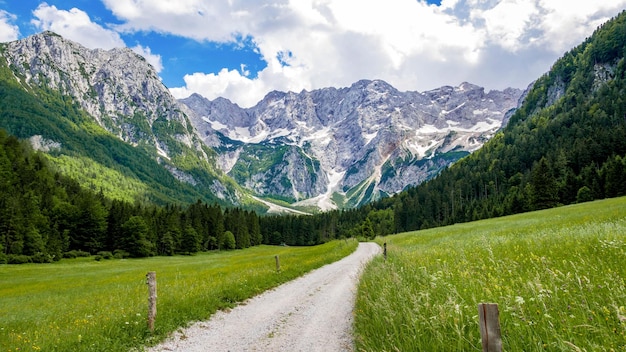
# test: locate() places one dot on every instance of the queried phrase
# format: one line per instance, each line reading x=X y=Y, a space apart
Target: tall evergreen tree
x=543 y=184
x=134 y=238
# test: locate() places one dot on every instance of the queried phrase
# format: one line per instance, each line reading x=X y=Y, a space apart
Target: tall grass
x=84 y=305
x=558 y=276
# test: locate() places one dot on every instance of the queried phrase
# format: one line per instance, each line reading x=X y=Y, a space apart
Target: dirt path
x=311 y=313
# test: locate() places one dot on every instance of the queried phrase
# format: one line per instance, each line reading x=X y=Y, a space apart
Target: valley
x=508 y=196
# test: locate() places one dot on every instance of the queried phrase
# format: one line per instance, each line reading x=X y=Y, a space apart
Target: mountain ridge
x=369 y=125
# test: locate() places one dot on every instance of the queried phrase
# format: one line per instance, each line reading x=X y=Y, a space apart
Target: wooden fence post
x=385 y=250
x=277 y=264
x=488 y=319
x=152 y=299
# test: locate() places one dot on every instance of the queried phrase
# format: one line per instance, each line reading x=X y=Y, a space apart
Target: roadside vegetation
x=557 y=275
x=86 y=305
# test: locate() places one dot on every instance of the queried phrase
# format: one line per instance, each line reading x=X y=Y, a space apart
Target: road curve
x=311 y=313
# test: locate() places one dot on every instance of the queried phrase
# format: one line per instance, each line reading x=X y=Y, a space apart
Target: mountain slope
x=344 y=147
x=110 y=108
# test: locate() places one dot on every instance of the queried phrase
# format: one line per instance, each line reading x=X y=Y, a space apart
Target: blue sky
x=242 y=49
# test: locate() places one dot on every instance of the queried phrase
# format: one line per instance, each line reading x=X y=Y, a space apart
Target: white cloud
x=153 y=59
x=223 y=84
x=76 y=25
x=508 y=22
x=565 y=23
x=8 y=31
x=311 y=44
x=198 y=19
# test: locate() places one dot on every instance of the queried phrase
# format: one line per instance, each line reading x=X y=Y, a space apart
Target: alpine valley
x=319 y=150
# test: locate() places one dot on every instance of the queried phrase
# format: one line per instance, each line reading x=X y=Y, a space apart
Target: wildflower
x=519 y=300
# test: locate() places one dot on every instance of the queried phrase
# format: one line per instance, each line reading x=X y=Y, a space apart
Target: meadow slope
x=557 y=275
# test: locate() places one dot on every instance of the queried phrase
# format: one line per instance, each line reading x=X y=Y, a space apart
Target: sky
x=243 y=49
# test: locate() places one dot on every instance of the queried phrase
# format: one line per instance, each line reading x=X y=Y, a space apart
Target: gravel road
x=311 y=313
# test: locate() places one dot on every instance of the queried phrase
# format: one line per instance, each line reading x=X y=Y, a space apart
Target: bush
x=76 y=254
x=584 y=195
x=120 y=254
x=40 y=257
x=229 y=240
x=18 y=259
x=105 y=255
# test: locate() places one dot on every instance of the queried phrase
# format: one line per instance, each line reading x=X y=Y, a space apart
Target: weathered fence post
x=385 y=250
x=152 y=299
x=489 y=321
x=277 y=264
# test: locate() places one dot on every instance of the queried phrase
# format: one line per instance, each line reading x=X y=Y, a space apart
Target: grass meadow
x=88 y=305
x=558 y=277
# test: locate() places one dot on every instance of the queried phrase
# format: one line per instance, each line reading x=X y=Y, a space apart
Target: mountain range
x=345 y=147
x=565 y=143
x=325 y=149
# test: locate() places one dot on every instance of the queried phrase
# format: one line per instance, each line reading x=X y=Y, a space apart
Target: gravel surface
x=311 y=313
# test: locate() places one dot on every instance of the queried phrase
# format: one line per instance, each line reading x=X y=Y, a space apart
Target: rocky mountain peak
x=114 y=86
x=358 y=142
x=123 y=94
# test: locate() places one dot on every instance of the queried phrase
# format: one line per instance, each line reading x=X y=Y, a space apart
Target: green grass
x=85 y=305
x=558 y=277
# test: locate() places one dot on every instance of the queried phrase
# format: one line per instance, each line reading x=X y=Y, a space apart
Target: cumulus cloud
x=153 y=59
x=508 y=23
x=76 y=25
x=8 y=30
x=309 y=44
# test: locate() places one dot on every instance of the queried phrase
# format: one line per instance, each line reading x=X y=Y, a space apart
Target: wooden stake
x=277 y=264
x=152 y=299
x=385 y=250
x=488 y=319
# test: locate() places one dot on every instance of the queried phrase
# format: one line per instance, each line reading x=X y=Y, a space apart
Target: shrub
x=229 y=240
x=40 y=257
x=120 y=254
x=105 y=255
x=75 y=254
x=18 y=259
x=584 y=195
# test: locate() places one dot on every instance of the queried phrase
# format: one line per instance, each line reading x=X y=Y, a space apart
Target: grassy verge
x=84 y=305
x=558 y=276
